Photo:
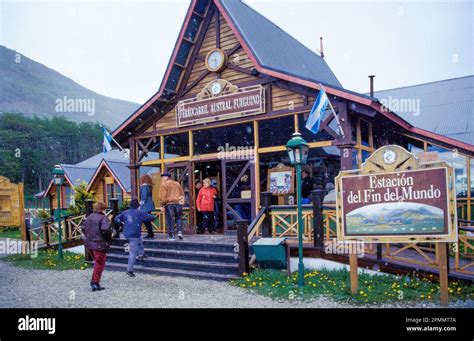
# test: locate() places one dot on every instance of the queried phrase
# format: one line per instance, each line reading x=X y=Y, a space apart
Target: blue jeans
x=174 y=216
x=136 y=248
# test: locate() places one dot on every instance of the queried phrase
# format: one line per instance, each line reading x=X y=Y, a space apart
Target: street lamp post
x=58 y=177
x=297 y=149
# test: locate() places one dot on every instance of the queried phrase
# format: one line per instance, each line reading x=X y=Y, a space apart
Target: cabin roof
x=122 y=173
x=446 y=107
x=274 y=48
x=77 y=174
x=119 y=171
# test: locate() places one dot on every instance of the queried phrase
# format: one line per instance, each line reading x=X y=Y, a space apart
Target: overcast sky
x=121 y=48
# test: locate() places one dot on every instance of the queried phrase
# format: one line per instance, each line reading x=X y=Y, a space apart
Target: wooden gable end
x=238 y=71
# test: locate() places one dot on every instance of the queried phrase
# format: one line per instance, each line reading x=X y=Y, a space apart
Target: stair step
x=181 y=264
x=209 y=256
x=172 y=272
x=181 y=245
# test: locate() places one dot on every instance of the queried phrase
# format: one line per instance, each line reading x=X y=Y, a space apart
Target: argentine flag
x=315 y=116
x=106 y=146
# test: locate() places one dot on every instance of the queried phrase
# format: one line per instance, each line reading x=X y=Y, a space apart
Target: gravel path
x=25 y=288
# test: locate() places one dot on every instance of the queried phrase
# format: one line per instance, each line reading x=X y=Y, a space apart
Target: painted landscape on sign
x=395 y=218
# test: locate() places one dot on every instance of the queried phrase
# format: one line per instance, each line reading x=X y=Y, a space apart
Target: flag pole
x=334 y=113
x=117 y=144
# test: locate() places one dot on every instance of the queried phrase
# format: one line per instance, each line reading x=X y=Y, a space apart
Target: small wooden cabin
x=235 y=90
x=111 y=179
x=82 y=173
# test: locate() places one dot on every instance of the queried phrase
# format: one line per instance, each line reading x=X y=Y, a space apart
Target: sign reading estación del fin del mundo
x=395 y=198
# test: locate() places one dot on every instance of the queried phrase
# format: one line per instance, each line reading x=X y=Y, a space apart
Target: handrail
x=252 y=229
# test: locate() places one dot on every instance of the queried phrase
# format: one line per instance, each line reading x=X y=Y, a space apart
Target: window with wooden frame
x=176 y=145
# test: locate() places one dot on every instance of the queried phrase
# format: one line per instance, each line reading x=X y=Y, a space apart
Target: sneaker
x=149 y=237
x=131 y=274
x=180 y=235
x=141 y=258
x=172 y=238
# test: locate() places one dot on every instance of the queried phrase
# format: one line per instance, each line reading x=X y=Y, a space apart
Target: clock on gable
x=216 y=60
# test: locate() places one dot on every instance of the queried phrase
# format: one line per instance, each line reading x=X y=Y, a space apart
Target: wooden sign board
x=11 y=203
x=220 y=100
x=395 y=198
x=281 y=180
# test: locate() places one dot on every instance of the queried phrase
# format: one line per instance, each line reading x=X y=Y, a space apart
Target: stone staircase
x=187 y=258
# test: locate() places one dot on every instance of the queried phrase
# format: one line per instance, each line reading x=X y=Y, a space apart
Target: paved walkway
x=24 y=288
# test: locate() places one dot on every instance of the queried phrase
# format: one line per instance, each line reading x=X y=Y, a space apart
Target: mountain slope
x=30 y=88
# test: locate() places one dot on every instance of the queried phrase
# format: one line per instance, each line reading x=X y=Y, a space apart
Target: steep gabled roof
x=236 y=13
x=274 y=48
x=446 y=107
x=119 y=171
x=77 y=174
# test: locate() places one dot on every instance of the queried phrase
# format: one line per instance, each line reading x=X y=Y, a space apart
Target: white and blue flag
x=315 y=116
x=106 y=146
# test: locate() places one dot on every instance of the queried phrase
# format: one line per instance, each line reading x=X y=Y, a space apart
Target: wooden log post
x=46 y=232
x=266 y=201
x=243 y=243
x=89 y=204
x=67 y=229
x=114 y=206
x=353 y=272
x=443 y=274
x=317 y=197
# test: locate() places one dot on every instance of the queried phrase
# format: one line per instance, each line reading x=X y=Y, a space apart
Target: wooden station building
x=235 y=90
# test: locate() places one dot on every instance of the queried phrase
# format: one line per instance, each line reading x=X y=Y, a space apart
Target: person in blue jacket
x=146 y=201
x=132 y=220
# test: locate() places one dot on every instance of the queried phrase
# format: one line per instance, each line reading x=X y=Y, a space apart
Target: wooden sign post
x=353 y=272
x=395 y=198
x=443 y=273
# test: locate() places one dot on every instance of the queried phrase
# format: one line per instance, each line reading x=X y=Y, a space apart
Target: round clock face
x=389 y=157
x=215 y=60
x=216 y=88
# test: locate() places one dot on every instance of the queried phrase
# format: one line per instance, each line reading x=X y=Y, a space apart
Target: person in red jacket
x=205 y=205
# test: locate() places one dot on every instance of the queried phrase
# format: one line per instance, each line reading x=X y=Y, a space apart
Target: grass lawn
x=373 y=289
x=48 y=260
x=10 y=232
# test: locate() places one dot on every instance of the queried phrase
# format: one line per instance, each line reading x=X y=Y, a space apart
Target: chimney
x=321 y=49
x=372 y=85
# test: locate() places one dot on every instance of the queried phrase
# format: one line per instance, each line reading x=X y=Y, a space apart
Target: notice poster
x=280 y=181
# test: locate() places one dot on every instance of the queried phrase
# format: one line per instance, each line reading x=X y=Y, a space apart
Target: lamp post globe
x=298 y=149
x=58 y=179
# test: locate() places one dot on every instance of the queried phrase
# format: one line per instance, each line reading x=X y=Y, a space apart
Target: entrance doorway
x=209 y=170
x=234 y=181
x=182 y=173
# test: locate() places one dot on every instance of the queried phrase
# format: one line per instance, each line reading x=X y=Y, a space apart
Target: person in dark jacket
x=146 y=201
x=132 y=220
x=307 y=185
x=98 y=235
